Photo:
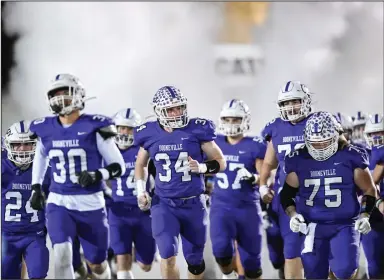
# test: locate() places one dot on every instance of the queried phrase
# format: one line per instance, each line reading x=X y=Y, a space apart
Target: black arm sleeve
x=151 y=169
x=114 y=170
x=213 y=166
x=367 y=204
x=287 y=196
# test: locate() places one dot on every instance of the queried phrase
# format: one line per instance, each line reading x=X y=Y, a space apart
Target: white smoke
x=122 y=52
x=299 y=42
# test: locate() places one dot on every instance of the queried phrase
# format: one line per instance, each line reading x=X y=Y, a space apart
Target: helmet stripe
x=171 y=91
x=231 y=104
x=376 y=118
x=128 y=113
x=287 y=86
x=22 y=127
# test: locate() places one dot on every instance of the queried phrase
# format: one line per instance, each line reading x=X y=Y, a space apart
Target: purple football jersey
x=242 y=154
x=286 y=137
x=71 y=150
x=17 y=213
x=377 y=157
x=170 y=152
x=327 y=189
x=124 y=188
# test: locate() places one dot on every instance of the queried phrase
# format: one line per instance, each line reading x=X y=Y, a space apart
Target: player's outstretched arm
x=288 y=194
x=378 y=173
x=115 y=165
x=269 y=163
x=364 y=181
x=213 y=152
x=143 y=198
x=39 y=168
x=287 y=200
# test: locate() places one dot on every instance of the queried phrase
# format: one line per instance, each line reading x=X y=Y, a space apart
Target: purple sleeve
x=359 y=157
x=267 y=131
x=140 y=135
x=259 y=148
x=290 y=162
x=205 y=130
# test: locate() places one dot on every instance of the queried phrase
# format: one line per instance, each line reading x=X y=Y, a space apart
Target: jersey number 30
x=60 y=166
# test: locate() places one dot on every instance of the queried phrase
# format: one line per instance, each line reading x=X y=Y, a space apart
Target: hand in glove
x=38 y=197
x=362 y=225
x=297 y=223
x=144 y=201
x=244 y=174
x=87 y=178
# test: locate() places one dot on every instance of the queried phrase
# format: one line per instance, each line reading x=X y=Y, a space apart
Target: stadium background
x=213 y=51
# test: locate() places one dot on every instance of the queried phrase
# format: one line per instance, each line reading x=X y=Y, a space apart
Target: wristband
x=140 y=186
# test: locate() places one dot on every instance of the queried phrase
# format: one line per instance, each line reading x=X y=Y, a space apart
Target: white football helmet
x=294 y=90
x=321 y=135
x=234 y=108
x=358 y=127
x=374 y=130
x=20 y=143
x=129 y=118
x=166 y=99
x=72 y=98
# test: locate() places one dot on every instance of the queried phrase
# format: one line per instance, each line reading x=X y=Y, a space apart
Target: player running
x=75 y=145
x=23 y=228
x=324 y=175
x=176 y=144
x=284 y=134
x=128 y=224
x=235 y=210
x=373 y=242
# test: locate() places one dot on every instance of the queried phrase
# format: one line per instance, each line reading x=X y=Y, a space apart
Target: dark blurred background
x=7 y=57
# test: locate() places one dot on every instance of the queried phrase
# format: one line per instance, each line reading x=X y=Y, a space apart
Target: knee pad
x=224 y=261
x=197 y=269
x=253 y=273
x=63 y=252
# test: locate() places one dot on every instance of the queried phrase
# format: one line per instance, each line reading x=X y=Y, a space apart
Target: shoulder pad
x=39 y=126
x=268 y=129
x=360 y=156
x=99 y=121
x=143 y=132
x=107 y=131
x=258 y=139
x=203 y=129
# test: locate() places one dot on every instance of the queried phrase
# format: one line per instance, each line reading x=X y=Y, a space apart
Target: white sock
x=124 y=274
x=63 y=265
x=231 y=275
x=105 y=275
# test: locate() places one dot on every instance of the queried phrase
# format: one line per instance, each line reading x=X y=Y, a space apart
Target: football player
x=284 y=134
x=75 y=145
x=235 y=210
x=176 y=145
x=373 y=242
x=127 y=222
x=23 y=228
x=328 y=170
x=358 y=129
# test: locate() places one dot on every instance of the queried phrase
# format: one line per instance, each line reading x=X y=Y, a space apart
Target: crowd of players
x=101 y=185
